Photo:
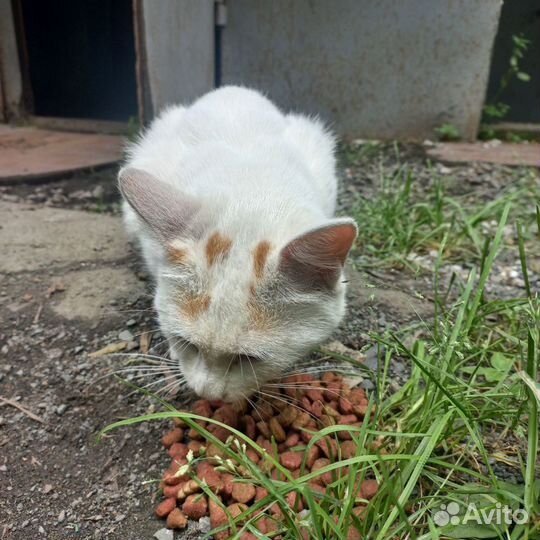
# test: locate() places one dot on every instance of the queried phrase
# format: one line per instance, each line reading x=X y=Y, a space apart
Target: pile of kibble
x=285 y=422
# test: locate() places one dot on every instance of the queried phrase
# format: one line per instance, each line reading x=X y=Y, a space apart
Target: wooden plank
x=144 y=98
x=179 y=45
x=31 y=154
x=80 y=125
x=11 y=82
x=525 y=154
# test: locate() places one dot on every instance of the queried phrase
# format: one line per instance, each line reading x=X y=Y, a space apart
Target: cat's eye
x=185 y=345
x=248 y=359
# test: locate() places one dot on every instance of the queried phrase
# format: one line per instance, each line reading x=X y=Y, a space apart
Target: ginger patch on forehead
x=194 y=306
x=176 y=255
x=217 y=247
x=260 y=256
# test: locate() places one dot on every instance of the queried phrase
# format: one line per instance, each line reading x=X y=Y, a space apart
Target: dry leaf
x=109 y=349
x=144 y=342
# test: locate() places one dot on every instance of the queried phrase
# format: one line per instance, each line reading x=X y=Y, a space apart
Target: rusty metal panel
x=374 y=69
x=179 y=48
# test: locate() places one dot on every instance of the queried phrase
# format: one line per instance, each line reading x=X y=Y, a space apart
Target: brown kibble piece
x=195 y=447
x=288 y=416
x=317 y=408
x=328 y=446
x=164 y=508
x=206 y=472
x=193 y=434
x=202 y=407
x=328 y=376
x=171 y=476
x=333 y=390
x=171 y=491
x=301 y=420
x=213 y=452
x=177 y=519
x=243 y=493
x=179 y=422
x=345 y=406
x=360 y=410
x=291 y=460
x=277 y=430
x=331 y=410
x=264 y=430
x=313 y=454
x=195 y=506
x=348 y=449
x=369 y=489
x=320 y=463
x=327 y=421
x=174 y=436
x=240 y=406
x=221 y=433
x=260 y=493
x=295 y=501
x=228 y=484
x=253 y=455
x=357 y=396
x=263 y=411
x=227 y=415
x=292 y=440
x=348 y=419
x=315 y=394
x=188 y=488
x=218 y=516
x=236 y=509
x=178 y=450
x=250 y=427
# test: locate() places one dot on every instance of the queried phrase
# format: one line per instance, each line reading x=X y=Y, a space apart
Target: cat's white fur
x=233 y=163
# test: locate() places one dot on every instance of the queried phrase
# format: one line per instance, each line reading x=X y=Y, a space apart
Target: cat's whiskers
x=252 y=403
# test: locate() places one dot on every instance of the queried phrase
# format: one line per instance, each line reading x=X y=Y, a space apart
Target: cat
x=232 y=203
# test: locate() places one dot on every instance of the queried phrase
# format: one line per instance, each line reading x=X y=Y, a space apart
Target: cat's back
x=233 y=131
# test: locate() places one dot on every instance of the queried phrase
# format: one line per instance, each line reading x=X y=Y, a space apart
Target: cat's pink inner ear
x=316 y=257
x=168 y=212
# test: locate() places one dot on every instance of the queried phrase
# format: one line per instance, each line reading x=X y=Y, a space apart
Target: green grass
x=468 y=411
x=403 y=218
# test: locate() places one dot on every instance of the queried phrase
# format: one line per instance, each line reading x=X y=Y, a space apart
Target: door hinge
x=221 y=13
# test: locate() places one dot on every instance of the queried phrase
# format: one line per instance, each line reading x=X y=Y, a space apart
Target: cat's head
x=238 y=309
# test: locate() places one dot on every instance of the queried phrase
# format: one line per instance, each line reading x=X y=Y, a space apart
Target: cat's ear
x=168 y=212
x=316 y=258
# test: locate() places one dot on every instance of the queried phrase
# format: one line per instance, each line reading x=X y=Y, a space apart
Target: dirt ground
x=71 y=284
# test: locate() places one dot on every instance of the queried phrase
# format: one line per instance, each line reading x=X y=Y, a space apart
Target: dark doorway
x=81 y=58
x=517 y=19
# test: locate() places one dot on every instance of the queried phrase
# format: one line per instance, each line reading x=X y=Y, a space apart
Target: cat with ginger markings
x=232 y=203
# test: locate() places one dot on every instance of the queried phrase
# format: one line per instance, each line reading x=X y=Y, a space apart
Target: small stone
x=61 y=516
x=47 y=488
x=131 y=322
x=98 y=192
x=164 y=534
x=204 y=525
x=367 y=385
x=125 y=335
x=61 y=409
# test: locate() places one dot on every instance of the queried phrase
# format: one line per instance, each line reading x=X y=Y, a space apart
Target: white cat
x=232 y=203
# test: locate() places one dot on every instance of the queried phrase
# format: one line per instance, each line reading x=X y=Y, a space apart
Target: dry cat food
x=282 y=424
